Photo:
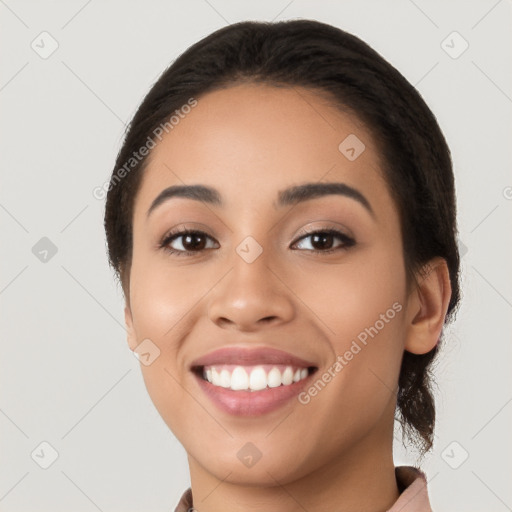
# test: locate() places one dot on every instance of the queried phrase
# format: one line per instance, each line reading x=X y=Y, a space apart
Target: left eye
x=326 y=238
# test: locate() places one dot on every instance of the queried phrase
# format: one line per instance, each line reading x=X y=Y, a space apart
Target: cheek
x=162 y=304
x=162 y=298
x=350 y=297
x=360 y=305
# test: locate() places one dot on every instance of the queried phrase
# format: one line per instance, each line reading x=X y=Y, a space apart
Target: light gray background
x=67 y=376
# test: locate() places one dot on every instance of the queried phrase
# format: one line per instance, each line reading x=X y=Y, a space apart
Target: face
x=301 y=297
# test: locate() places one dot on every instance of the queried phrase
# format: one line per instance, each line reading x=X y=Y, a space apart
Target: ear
x=130 y=331
x=427 y=306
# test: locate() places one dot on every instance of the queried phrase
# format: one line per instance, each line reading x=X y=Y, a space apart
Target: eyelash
x=169 y=237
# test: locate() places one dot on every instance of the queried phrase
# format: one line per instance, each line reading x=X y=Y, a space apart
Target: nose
x=250 y=297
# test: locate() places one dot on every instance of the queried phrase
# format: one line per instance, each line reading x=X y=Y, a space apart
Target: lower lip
x=251 y=403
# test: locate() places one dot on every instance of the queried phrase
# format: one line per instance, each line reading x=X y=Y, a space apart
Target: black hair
x=415 y=157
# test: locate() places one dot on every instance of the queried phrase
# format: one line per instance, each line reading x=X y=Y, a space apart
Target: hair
x=416 y=160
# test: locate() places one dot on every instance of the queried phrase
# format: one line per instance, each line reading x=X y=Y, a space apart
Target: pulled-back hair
x=416 y=159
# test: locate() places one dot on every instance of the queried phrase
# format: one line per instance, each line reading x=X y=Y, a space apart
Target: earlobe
x=130 y=331
x=428 y=305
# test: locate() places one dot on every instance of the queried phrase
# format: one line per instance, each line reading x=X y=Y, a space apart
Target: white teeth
x=258 y=379
x=225 y=379
x=274 y=378
x=253 y=378
x=287 y=376
x=215 y=377
x=239 y=379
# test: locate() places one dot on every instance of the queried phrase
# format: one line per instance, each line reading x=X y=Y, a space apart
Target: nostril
x=267 y=319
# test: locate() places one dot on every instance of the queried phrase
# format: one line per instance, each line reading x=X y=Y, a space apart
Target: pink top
x=412 y=484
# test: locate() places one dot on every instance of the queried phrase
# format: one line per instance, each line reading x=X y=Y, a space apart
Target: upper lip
x=250 y=356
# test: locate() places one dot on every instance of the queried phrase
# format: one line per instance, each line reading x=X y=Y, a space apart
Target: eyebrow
x=287 y=197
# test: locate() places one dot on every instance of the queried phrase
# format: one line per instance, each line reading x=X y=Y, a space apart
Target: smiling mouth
x=253 y=378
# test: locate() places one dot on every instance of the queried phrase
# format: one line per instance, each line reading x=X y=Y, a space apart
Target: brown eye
x=193 y=242
x=324 y=241
x=186 y=242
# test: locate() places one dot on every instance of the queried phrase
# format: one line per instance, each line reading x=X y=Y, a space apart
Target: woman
x=281 y=217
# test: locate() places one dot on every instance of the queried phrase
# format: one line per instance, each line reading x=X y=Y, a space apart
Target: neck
x=363 y=479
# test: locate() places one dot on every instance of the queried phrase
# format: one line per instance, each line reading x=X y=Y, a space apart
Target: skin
x=249 y=142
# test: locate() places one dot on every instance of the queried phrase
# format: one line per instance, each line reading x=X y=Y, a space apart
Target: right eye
x=192 y=242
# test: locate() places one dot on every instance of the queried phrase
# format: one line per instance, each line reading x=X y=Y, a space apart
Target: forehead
x=251 y=140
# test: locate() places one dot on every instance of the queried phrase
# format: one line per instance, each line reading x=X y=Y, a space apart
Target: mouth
x=251 y=382
x=252 y=378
